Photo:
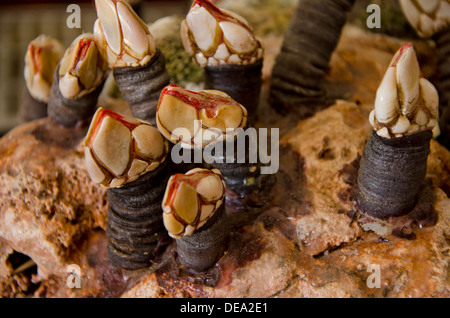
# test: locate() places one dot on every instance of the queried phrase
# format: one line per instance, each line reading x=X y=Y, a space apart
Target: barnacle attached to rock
x=300 y=67
x=194 y=215
x=138 y=65
x=78 y=81
x=225 y=45
x=41 y=60
x=431 y=19
x=394 y=162
x=127 y=156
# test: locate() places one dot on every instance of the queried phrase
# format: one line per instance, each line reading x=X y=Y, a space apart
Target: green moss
x=179 y=64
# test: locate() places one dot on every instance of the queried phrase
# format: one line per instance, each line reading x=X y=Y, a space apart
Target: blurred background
x=21 y=21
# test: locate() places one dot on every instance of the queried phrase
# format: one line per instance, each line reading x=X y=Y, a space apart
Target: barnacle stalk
x=139 y=67
x=431 y=19
x=194 y=214
x=77 y=82
x=41 y=59
x=225 y=45
x=394 y=162
x=300 y=67
x=127 y=156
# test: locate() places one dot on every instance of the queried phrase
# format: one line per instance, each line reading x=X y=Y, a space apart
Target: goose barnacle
x=225 y=45
x=127 y=155
x=394 y=162
x=139 y=67
x=194 y=214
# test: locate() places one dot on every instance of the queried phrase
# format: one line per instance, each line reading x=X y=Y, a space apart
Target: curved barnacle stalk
x=127 y=156
x=139 y=67
x=194 y=214
x=212 y=121
x=394 y=162
x=78 y=81
x=41 y=59
x=300 y=67
x=225 y=45
x=431 y=19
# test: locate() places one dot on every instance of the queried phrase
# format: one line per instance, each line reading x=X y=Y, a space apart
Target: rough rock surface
x=307 y=240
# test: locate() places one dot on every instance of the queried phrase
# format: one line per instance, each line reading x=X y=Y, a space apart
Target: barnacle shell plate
x=179 y=109
x=191 y=199
x=405 y=103
x=119 y=150
x=214 y=36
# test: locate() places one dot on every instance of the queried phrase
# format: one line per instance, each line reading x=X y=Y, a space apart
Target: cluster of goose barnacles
x=128 y=156
x=148 y=202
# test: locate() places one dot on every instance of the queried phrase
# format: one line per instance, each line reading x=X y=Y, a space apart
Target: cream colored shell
x=215 y=36
x=122 y=36
x=41 y=59
x=198 y=119
x=191 y=199
x=119 y=150
x=428 y=17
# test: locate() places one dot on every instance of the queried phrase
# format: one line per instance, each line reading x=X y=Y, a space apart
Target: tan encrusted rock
x=327 y=142
x=48 y=203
